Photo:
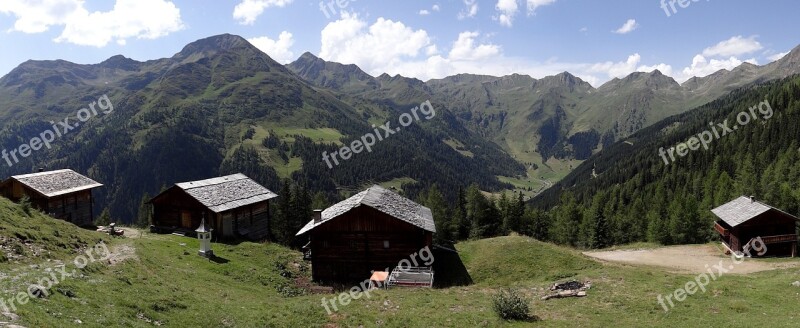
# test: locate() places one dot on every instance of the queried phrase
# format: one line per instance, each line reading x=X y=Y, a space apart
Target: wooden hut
x=233 y=206
x=373 y=230
x=744 y=219
x=63 y=194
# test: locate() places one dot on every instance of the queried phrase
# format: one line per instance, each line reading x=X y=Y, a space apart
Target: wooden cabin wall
x=75 y=207
x=350 y=246
x=168 y=211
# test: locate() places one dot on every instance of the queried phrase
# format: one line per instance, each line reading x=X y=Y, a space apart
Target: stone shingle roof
x=742 y=209
x=384 y=201
x=226 y=193
x=56 y=183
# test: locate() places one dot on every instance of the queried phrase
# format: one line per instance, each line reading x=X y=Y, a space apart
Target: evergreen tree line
x=637 y=197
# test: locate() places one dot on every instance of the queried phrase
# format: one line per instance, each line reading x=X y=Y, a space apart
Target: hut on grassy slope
x=744 y=219
x=63 y=194
x=233 y=206
x=373 y=230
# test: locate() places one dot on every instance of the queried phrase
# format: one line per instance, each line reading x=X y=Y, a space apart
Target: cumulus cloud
x=465 y=48
x=617 y=69
x=384 y=43
x=628 y=27
x=734 y=46
x=533 y=4
x=435 y=8
x=424 y=12
x=247 y=11
x=279 y=50
x=142 y=19
x=507 y=10
x=777 y=56
x=702 y=66
x=663 y=68
x=470 y=11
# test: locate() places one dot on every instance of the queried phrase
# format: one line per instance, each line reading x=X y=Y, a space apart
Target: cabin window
x=385 y=244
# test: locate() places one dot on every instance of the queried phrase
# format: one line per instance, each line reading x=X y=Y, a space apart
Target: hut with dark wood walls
x=371 y=231
x=233 y=206
x=744 y=219
x=63 y=194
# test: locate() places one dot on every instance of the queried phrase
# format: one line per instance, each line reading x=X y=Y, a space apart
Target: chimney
x=752 y=199
x=317 y=216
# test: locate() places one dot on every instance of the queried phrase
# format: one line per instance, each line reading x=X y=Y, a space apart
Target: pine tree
x=281 y=226
x=145 y=215
x=435 y=201
x=104 y=219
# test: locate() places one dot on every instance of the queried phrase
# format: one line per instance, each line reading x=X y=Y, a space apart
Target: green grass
x=256 y=285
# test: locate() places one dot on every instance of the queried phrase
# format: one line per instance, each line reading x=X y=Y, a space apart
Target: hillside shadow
x=448 y=267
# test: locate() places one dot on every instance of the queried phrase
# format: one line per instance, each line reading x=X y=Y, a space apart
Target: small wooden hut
x=371 y=231
x=233 y=206
x=744 y=219
x=63 y=194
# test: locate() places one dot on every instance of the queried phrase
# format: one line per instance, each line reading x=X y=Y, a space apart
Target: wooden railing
x=722 y=231
x=779 y=239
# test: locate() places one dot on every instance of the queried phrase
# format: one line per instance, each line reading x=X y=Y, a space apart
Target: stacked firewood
x=568 y=289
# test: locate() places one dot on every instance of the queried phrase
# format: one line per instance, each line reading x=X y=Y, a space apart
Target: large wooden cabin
x=63 y=194
x=234 y=206
x=373 y=230
x=744 y=219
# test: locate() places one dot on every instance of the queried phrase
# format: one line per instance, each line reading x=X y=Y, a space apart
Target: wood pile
x=568 y=289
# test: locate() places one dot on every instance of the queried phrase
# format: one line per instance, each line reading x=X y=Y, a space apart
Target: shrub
x=510 y=305
x=25 y=204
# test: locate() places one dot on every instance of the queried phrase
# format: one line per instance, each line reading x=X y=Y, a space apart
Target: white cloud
x=734 y=46
x=435 y=8
x=465 y=49
x=777 y=56
x=663 y=68
x=248 y=10
x=424 y=12
x=701 y=66
x=279 y=50
x=383 y=44
x=533 y=4
x=584 y=30
x=618 y=69
x=507 y=9
x=142 y=19
x=628 y=27
x=470 y=11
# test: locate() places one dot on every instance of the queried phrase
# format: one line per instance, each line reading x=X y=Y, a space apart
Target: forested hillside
x=627 y=193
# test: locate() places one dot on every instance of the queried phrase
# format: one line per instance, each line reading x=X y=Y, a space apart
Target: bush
x=25 y=204
x=510 y=305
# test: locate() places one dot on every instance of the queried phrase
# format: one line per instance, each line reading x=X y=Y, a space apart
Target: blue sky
x=595 y=40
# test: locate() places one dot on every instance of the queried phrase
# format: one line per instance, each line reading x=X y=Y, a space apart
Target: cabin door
x=186 y=219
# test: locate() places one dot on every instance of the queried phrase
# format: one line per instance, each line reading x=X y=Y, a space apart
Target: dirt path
x=689 y=259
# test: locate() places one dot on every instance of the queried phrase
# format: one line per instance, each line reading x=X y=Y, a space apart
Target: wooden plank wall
x=353 y=244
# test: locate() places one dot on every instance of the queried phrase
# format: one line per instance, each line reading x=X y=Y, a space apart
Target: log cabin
x=234 y=206
x=62 y=194
x=744 y=219
x=371 y=231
